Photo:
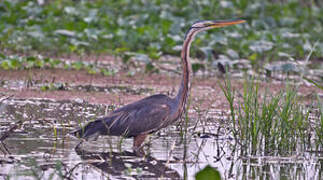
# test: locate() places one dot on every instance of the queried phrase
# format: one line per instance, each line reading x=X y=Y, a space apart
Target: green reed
x=272 y=124
x=30 y=168
x=319 y=126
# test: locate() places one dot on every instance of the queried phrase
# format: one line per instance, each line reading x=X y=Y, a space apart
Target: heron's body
x=140 y=117
x=152 y=113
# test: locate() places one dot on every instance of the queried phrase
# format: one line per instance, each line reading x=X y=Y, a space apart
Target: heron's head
x=202 y=26
x=207 y=24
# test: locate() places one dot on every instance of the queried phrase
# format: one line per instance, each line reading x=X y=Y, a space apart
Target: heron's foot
x=137 y=144
x=139 y=151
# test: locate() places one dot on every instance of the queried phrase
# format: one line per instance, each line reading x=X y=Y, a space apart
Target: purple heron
x=152 y=113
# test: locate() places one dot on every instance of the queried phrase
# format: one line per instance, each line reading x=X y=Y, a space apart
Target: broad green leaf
x=208 y=173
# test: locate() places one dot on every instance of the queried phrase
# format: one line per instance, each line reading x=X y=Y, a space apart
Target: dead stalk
x=5 y=98
x=6 y=134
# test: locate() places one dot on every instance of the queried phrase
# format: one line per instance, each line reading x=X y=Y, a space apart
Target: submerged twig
x=6 y=150
x=7 y=133
x=171 y=152
x=5 y=98
x=167 y=69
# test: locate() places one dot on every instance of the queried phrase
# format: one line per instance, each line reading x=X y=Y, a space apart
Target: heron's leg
x=137 y=141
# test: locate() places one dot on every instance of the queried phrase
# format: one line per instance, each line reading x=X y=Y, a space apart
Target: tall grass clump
x=36 y=171
x=319 y=126
x=272 y=124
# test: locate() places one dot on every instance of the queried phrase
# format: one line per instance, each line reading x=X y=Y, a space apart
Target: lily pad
x=208 y=173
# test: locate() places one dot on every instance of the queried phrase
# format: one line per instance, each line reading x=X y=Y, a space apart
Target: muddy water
x=40 y=146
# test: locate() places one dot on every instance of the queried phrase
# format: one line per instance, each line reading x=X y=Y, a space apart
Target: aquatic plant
x=155 y=28
x=273 y=124
x=37 y=171
x=319 y=126
x=208 y=173
x=17 y=62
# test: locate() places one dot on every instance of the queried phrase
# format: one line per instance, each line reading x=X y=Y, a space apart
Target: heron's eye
x=199 y=25
x=208 y=24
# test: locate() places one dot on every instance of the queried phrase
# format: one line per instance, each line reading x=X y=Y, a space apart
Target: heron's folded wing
x=141 y=120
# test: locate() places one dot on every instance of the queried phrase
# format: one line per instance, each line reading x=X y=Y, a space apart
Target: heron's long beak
x=217 y=24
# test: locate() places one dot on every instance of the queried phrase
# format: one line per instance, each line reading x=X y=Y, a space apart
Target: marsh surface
x=39 y=144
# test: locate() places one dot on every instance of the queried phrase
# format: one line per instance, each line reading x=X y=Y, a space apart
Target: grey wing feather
x=143 y=120
x=145 y=116
x=150 y=119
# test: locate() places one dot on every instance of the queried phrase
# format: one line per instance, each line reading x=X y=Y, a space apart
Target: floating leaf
x=92 y=33
x=208 y=173
x=37 y=34
x=65 y=32
x=149 y=67
x=139 y=57
x=226 y=4
x=79 y=43
x=2 y=56
x=39 y=63
x=218 y=38
x=307 y=46
x=15 y=64
x=77 y=65
x=288 y=21
x=233 y=54
x=106 y=72
x=44 y=88
x=283 y=67
x=261 y=46
x=197 y=66
x=5 y=65
x=71 y=10
x=55 y=62
x=92 y=16
x=282 y=54
x=253 y=57
x=208 y=52
x=290 y=35
x=91 y=71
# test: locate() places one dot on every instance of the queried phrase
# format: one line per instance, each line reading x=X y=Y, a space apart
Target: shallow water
x=41 y=147
x=121 y=88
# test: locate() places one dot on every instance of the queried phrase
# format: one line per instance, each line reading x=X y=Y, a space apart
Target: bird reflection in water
x=116 y=164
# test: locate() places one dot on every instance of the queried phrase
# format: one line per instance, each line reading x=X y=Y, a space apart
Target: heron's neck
x=183 y=91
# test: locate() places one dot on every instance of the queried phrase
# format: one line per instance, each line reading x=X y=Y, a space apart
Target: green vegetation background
x=276 y=29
